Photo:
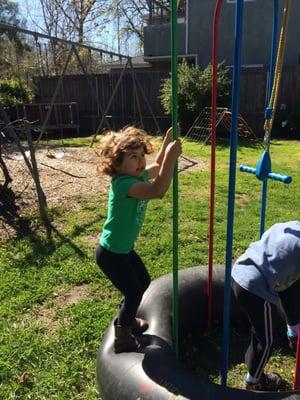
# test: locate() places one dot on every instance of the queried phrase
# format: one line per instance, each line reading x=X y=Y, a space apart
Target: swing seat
x=58 y=153
x=263 y=167
x=262 y=171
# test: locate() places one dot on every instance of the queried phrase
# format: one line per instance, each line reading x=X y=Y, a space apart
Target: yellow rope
x=278 y=69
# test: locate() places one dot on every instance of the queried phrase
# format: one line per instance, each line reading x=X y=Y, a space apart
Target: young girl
x=122 y=156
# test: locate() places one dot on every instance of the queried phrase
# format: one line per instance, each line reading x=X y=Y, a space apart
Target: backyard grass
x=56 y=304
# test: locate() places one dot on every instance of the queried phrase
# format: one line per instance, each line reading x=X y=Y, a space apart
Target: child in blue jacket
x=266 y=274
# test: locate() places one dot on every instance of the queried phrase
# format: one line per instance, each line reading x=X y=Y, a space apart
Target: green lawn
x=49 y=340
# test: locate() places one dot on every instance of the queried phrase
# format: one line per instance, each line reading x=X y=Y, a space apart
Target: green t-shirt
x=125 y=215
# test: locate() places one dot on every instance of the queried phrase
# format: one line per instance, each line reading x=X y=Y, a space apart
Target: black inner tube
x=153 y=373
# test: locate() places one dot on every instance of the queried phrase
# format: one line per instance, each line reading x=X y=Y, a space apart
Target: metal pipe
x=174 y=68
x=231 y=186
x=14 y=28
x=187 y=7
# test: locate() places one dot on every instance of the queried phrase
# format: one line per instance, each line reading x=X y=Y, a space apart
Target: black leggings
x=261 y=317
x=128 y=274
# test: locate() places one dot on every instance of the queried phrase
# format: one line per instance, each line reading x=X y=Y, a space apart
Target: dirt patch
x=242 y=199
x=65 y=175
x=92 y=239
x=72 y=174
x=47 y=317
x=62 y=299
x=73 y=295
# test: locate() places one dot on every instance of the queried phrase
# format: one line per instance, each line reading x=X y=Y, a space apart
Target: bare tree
x=76 y=20
x=69 y=19
x=132 y=15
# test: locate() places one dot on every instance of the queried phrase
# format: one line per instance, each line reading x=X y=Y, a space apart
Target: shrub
x=14 y=92
x=194 y=91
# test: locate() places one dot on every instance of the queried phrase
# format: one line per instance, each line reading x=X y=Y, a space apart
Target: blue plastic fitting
x=268 y=112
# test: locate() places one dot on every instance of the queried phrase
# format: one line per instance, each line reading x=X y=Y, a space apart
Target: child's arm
x=167 y=140
x=160 y=185
x=153 y=169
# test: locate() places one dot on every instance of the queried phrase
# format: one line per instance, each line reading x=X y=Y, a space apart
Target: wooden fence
x=124 y=108
x=125 y=105
x=253 y=97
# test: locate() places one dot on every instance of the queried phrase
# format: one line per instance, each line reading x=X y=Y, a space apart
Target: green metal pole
x=174 y=70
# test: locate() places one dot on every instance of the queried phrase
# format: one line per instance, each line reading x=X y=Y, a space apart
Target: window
x=248 y=66
x=234 y=1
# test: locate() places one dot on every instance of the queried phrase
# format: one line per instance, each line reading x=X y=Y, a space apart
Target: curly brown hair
x=114 y=145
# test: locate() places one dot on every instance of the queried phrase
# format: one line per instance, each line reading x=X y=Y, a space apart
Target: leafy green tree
x=14 y=92
x=194 y=91
x=12 y=43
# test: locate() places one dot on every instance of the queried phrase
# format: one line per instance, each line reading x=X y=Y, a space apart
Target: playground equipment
x=201 y=129
x=264 y=166
x=263 y=169
x=69 y=61
x=63 y=115
x=297 y=368
x=154 y=373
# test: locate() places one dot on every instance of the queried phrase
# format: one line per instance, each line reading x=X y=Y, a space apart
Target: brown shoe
x=267 y=383
x=125 y=341
x=139 y=326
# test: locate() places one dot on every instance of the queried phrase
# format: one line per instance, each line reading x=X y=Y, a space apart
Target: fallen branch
x=65 y=172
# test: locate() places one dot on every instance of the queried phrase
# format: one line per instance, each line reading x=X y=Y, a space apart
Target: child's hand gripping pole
x=297 y=367
x=263 y=170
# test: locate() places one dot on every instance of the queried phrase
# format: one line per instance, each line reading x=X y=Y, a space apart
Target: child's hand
x=174 y=148
x=169 y=134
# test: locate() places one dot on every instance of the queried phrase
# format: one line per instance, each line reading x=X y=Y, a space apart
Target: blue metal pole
x=273 y=50
x=264 y=189
x=231 y=186
x=269 y=93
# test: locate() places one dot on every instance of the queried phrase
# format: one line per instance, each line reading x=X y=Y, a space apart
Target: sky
x=30 y=10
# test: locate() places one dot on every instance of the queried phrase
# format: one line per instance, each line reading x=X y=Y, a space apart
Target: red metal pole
x=297 y=368
x=214 y=91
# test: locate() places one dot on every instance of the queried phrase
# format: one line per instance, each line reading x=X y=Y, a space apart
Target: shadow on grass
x=9 y=212
x=58 y=142
x=202 y=354
x=42 y=247
x=224 y=143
